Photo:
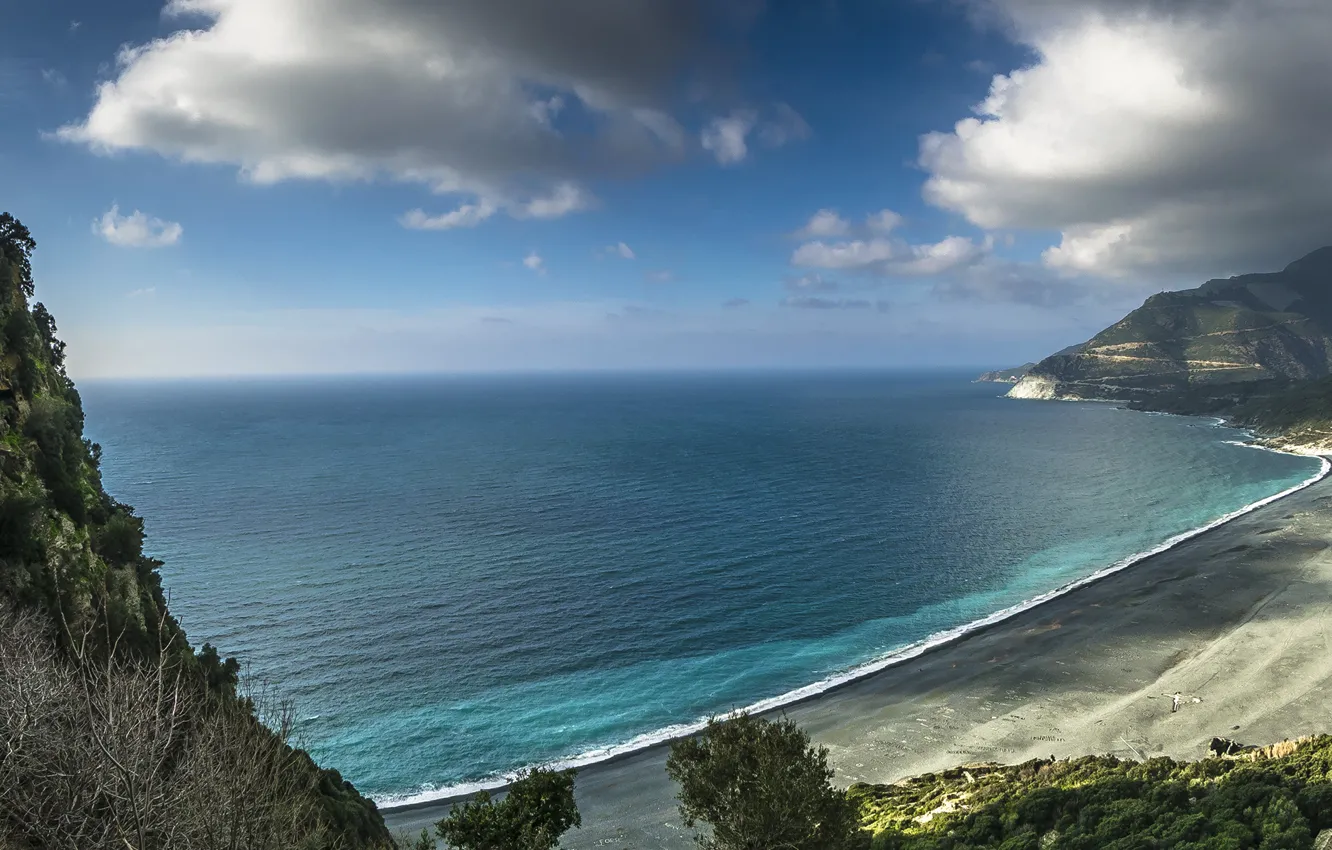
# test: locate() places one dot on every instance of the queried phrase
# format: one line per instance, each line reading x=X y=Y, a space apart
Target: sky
x=235 y=187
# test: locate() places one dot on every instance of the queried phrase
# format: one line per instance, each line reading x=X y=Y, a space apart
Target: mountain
x=117 y=732
x=1219 y=341
x=1006 y=376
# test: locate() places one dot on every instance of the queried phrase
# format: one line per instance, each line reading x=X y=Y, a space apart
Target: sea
x=452 y=578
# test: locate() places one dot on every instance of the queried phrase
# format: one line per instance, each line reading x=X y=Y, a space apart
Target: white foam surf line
x=444 y=794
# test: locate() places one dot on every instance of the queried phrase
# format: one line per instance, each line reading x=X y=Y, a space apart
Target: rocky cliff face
x=1213 y=339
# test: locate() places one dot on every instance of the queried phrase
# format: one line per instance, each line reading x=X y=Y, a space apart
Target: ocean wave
x=434 y=795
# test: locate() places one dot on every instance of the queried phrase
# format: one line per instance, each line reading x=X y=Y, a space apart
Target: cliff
x=1216 y=342
x=118 y=732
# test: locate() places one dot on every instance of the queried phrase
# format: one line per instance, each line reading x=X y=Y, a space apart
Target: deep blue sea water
x=455 y=577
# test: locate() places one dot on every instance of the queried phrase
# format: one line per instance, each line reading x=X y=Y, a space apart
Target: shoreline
x=404 y=809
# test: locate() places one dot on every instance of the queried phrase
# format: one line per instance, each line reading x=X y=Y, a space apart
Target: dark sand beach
x=1235 y=620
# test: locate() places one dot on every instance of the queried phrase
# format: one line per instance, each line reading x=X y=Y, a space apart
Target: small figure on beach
x=1175 y=700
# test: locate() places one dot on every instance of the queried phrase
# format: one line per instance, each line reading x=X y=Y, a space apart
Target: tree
x=46 y=327
x=538 y=809
x=761 y=785
x=16 y=246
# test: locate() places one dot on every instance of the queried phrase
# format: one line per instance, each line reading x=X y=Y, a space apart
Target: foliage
x=108 y=753
x=1307 y=404
x=16 y=247
x=538 y=808
x=1273 y=799
x=760 y=785
x=72 y=556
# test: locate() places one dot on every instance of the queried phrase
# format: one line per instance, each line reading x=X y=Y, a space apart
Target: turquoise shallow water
x=454 y=577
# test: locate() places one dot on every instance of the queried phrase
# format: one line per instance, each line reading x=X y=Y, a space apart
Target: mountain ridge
x=1218 y=341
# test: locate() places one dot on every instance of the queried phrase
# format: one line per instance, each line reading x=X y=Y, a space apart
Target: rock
x=1034 y=387
x=1226 y=747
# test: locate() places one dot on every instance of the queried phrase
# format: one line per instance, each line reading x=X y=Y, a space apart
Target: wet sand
x=1234 y=620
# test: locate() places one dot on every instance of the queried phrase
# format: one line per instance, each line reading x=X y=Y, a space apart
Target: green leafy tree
x=537 y=810
x=761 y=785
x=16 y=246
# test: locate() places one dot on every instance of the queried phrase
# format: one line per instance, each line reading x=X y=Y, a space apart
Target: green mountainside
x=117 y=732
x=1269 y=799
x=1216 y=344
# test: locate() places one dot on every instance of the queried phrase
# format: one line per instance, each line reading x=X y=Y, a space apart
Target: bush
x=538 y=808
x=760 y=784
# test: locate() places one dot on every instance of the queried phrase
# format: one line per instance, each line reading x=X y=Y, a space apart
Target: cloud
x=534 y=262
x=828 y=223
x=857 y=254
x=732 y=303
x=725 y=137
x=810 y=302
x=660 y=276
x=54 y=78
x=566 y=198
x=890 y=258
x=811 y=283
x=997 y=281
x=142 y=293
x=784 y=126
x=513 y=102
x=136 y=230
x=467 y=215
x=1157 y=138
x=883 y=221
x=621 y=250
x=823 y=224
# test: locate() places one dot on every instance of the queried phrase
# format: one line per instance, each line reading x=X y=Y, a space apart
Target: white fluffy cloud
x=467 y=215
x=890 y=257
x=828 y=223
x=136 y=230
x=725 y=137
x=883 y=221
x=534 y=262
x=823 y=224
x=621 y=250
x=1159 y=137
x=513 y=102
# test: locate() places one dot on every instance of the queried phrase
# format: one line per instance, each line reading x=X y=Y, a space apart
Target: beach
x=1233 y=620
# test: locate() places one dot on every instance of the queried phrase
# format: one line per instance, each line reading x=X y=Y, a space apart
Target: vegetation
x=760 y=785
x=118 y=734
x=1277 y=798
x=538 y=808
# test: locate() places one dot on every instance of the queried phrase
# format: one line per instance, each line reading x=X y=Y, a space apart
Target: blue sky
x=283 y=186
